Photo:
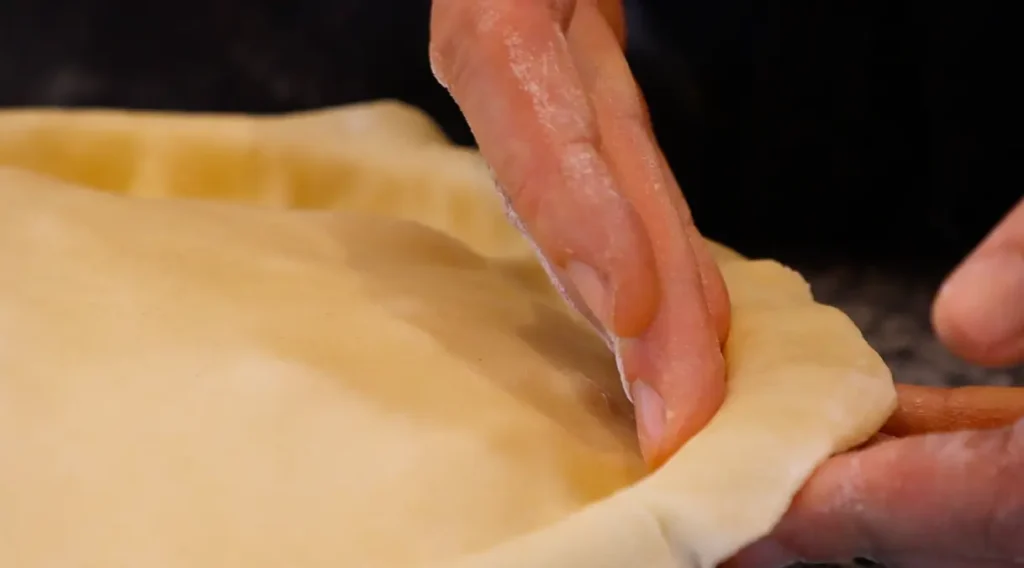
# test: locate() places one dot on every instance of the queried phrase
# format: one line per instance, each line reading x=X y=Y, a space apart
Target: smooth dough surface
x=318 y=343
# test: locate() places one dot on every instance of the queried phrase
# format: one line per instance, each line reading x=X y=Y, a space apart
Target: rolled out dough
x=340 y=354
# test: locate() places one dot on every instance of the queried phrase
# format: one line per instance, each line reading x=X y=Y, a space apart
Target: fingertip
x=692 y=403
x=651 y=416
x=671 y=412
x=978 y=312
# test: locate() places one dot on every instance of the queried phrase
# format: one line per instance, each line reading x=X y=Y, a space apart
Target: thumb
x=979 y=311
x=910 y=501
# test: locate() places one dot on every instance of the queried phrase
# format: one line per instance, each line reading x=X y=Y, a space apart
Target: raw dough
x=386 y=381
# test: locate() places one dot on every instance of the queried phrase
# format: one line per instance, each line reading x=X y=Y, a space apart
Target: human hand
x=545 y=86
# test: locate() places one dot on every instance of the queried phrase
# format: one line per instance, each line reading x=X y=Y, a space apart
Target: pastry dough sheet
x=314 y=341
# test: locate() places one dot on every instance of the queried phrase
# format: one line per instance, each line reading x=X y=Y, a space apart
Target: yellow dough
x=341 y=354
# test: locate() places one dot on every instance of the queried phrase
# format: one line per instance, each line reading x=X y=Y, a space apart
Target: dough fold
x=314 y=341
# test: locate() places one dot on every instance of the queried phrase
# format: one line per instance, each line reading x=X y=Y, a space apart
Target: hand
x=948 y=500
x=547 y=91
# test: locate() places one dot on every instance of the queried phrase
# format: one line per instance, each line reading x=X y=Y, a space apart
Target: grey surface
x=892 y=309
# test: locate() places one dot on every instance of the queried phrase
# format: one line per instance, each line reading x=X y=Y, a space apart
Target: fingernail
x=591 y=289
x=987 y=295
x=650 y=418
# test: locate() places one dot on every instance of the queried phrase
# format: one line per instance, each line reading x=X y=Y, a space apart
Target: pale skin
x=545 y=86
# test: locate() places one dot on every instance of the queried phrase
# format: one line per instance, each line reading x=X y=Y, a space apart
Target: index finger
x=935 y=409
x=597 y=205
x=507 y=65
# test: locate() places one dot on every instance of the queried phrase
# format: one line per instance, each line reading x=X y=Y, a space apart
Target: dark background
x=867 y=143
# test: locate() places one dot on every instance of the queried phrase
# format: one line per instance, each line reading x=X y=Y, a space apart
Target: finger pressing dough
x=323 y=346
